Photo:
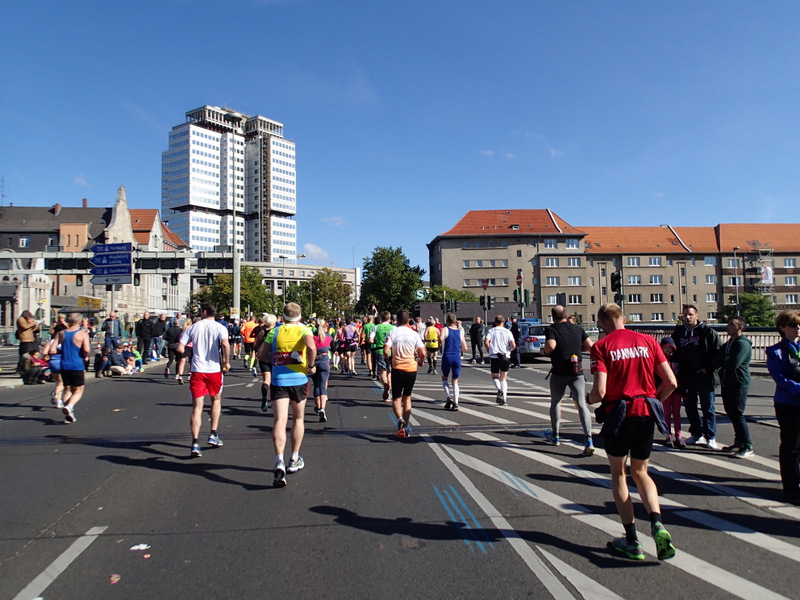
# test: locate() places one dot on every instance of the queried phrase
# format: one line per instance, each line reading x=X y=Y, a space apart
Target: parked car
x=531 y=340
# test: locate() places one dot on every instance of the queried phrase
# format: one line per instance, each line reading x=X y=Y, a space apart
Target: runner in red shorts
x=210 y=358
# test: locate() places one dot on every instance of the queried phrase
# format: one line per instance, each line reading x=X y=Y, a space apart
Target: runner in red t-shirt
x=624 y=364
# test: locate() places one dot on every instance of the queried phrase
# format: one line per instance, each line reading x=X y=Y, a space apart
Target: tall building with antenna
x=225 y=170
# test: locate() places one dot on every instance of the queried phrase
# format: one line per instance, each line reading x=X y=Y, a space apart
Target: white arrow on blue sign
x=101 y=260
x=111 y=248
x=115 y=270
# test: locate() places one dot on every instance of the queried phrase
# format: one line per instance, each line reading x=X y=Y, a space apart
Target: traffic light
x=210 y=279
x=517 y=295
x=78 y=280
x=483 y=301
x=443 y=306
x=527 y=297
x=137 y=280
x=455 y=305
x=489 y=303
x=616 y=281
x=173 y=279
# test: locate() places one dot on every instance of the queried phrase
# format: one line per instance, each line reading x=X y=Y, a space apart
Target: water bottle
x=577 y=366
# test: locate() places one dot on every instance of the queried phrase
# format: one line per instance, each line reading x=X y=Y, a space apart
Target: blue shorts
x=451 y=362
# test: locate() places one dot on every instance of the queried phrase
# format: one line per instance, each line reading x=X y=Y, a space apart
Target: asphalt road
x=474 y=505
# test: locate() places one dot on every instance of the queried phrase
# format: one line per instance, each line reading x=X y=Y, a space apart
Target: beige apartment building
x=660 y=268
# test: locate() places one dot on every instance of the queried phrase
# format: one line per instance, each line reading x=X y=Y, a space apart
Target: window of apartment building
x=478 y=263
x=710 y=261
x=711 y=297
x=634 y=261
x=711 y=279
x=604 y=290
x=591 y=281
x=550 y=243
x=602 y=271
x=504 y=244
x=492 y=263
x=572 y=243
x=574 y=299
x=733 y=263
x=655 y=261
x=791 y=298
x=634 y=279
x=52 y=240
x=504 y=262
x=672 y=298
x=552 y=299
x=573 y=280
x=671 y=280
x=24 y=241
x=656 y=316
x=467 y=283
x=712 y=315
x=694 y=297
x=591 y=299
x=551 y=261
x=734 y=281
x=519 y=253
x=465 y=245
x=635 y=298
x=693 y=261
x=267 y=272
x=791 y=280
x=656 y=298
x=636 y=317
x=479 y=244
x=491 y=243
x=466 y=264
x=552 y=281
x=789 y=262
x=656 y=279
x=574 y=261
x=694 y=279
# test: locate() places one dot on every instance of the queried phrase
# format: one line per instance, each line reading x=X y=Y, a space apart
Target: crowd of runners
x=634 y=381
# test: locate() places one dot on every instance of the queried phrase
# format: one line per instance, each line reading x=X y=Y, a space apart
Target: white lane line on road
x=586 y=585
x=694 y=566
x=535 y=564
x=59 y=565
x=762 y=541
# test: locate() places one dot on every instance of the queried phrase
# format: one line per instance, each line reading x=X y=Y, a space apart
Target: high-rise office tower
x=226 y=169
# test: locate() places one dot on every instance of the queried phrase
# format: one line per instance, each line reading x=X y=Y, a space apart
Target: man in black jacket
x=477 y=331
x=697 y=347
x=144 y=337
x=159 y=329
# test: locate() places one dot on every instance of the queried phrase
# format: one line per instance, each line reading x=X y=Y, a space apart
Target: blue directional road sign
x=102 y=260
x=111 y=248
x=115 y=270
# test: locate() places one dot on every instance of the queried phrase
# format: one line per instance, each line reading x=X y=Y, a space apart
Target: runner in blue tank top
x=75 y=347
x=452 y=343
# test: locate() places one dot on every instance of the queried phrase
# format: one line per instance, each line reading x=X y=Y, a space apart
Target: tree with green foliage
x=756 y=308
x=389 y=281
x=327 y=295
x=440 y=293
x=255 y=297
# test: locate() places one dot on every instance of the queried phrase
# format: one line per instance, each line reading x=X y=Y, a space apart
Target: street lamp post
x=736 y=278
x=283 y=271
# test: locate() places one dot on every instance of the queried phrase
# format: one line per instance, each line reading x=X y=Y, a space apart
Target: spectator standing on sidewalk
x=734 y=360
x=697 y=348
x=783 y=362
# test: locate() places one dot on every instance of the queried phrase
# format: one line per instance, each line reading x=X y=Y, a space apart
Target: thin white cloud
x=349 y=87
x=488 y=153
x=80 y=181
x=335 y=221
x=492 y=153
x=315 y=253
x=508 y=155
x=540 y=138
x=140 y=113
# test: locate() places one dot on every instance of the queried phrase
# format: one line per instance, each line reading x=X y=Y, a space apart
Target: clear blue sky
x=408 y=114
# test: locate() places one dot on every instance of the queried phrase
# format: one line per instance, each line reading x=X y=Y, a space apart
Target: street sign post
x=112 y=264
x=420 y=294
x=519 y=280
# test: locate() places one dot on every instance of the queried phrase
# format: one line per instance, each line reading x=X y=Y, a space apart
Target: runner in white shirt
x=405 y=347
x=210 y=358
x=500 y=343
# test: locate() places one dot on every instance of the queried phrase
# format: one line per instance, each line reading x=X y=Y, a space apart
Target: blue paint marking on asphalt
x=478 y=527
x=452 y=517
x=524 y=487
x=464 y=521
x=511 y=483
